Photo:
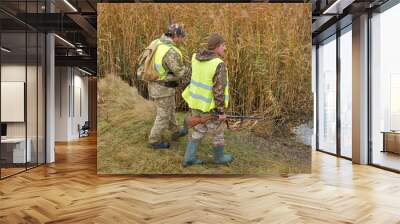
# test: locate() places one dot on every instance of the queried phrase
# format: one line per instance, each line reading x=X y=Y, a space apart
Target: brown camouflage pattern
x=215 y=128
x=165 y=118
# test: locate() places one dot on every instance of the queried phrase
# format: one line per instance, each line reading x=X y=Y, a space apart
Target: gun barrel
x=243 y=117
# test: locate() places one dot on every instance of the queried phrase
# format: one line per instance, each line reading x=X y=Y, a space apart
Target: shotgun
x=191 y=121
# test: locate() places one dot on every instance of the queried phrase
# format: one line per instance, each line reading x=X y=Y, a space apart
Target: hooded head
x=216 y=43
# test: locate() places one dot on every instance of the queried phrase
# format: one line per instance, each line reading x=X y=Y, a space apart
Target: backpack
x=146 y=70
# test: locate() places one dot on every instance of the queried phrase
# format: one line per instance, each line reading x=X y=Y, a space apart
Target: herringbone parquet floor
x=69 y=191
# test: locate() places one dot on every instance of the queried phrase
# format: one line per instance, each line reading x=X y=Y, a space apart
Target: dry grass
x=269 y=51
x=125 y=120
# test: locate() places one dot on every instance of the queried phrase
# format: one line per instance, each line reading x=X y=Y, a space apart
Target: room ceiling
x=328 y=13
x=76 y=21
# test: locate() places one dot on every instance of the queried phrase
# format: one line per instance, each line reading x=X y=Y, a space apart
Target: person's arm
x=173 y=61
x=187 y=77
x=220 y=81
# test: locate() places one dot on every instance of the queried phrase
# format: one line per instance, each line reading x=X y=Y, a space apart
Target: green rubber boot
x=190 y=154
x=220 y=157
x=182 y=132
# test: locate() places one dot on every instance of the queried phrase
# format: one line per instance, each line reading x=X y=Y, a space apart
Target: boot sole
x=223 y=163
x=191 y=164
x=156 y=148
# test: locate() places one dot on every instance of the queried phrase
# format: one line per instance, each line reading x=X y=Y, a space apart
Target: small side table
x=391 y=141
x=14 y=150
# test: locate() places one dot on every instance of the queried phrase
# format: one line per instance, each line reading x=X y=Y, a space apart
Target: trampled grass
x=125 y=120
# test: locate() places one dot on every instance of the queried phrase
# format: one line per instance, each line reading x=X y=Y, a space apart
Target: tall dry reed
x=268 y=51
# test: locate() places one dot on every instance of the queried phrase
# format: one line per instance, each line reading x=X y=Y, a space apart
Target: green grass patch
x=123 y=133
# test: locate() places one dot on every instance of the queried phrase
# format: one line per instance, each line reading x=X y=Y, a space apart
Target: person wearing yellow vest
x=168 y=62
x=208 y=92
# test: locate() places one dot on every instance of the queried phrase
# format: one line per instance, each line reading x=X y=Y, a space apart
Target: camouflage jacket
x=220 y=78
x=173 y=63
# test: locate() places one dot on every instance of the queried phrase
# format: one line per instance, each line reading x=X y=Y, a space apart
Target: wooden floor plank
x=70 y=191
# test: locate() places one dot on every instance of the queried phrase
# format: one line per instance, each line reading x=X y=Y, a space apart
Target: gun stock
x=192 y=121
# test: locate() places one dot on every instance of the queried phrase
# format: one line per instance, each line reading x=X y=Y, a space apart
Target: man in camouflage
x=208 y=93
x=171 y=69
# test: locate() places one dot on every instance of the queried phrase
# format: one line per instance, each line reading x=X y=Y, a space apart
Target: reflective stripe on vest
x=161 y=51
x=199 y=94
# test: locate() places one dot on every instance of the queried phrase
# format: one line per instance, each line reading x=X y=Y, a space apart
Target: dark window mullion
x=73 y=92
x=0 y=97
x=37 y=91
x=317 y=97
x=338 y=80
x=369 y=90
x=26 y=87
x=45 y=88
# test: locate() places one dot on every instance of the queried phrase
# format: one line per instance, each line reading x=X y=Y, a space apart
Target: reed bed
x=268 y=52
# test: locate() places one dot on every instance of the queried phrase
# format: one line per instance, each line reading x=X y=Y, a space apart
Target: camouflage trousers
x=215 y=128
x=165 y=118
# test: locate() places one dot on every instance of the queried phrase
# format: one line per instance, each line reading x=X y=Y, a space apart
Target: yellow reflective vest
x=199 y=93
x=161 y=51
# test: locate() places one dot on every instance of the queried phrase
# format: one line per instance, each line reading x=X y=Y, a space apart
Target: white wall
x=385 y=74
x=80 y=89
x=12 y=73
x=62 y=81
x=70 y=83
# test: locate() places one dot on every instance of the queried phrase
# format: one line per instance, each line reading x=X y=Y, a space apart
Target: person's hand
x=222 y=117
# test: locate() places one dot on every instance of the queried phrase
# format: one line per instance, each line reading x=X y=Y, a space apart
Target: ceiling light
x=80 y=51
x=5 y=50
x=338 y=6
x=65 y=41
x=70 y=5
x=86 y=72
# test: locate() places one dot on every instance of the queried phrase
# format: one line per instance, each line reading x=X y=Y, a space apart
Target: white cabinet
x=18 y=149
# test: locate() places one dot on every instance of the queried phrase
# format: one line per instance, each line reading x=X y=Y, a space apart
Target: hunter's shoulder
x=221 y=67
x=172 y=56
x=173 y=51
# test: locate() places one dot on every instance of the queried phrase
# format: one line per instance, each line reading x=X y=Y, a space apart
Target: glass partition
x=385 y=89
x=327 y=95
x=22 y=78
x=31 y=100
x=346 y=93
x=41 y=87
x=14 y=151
